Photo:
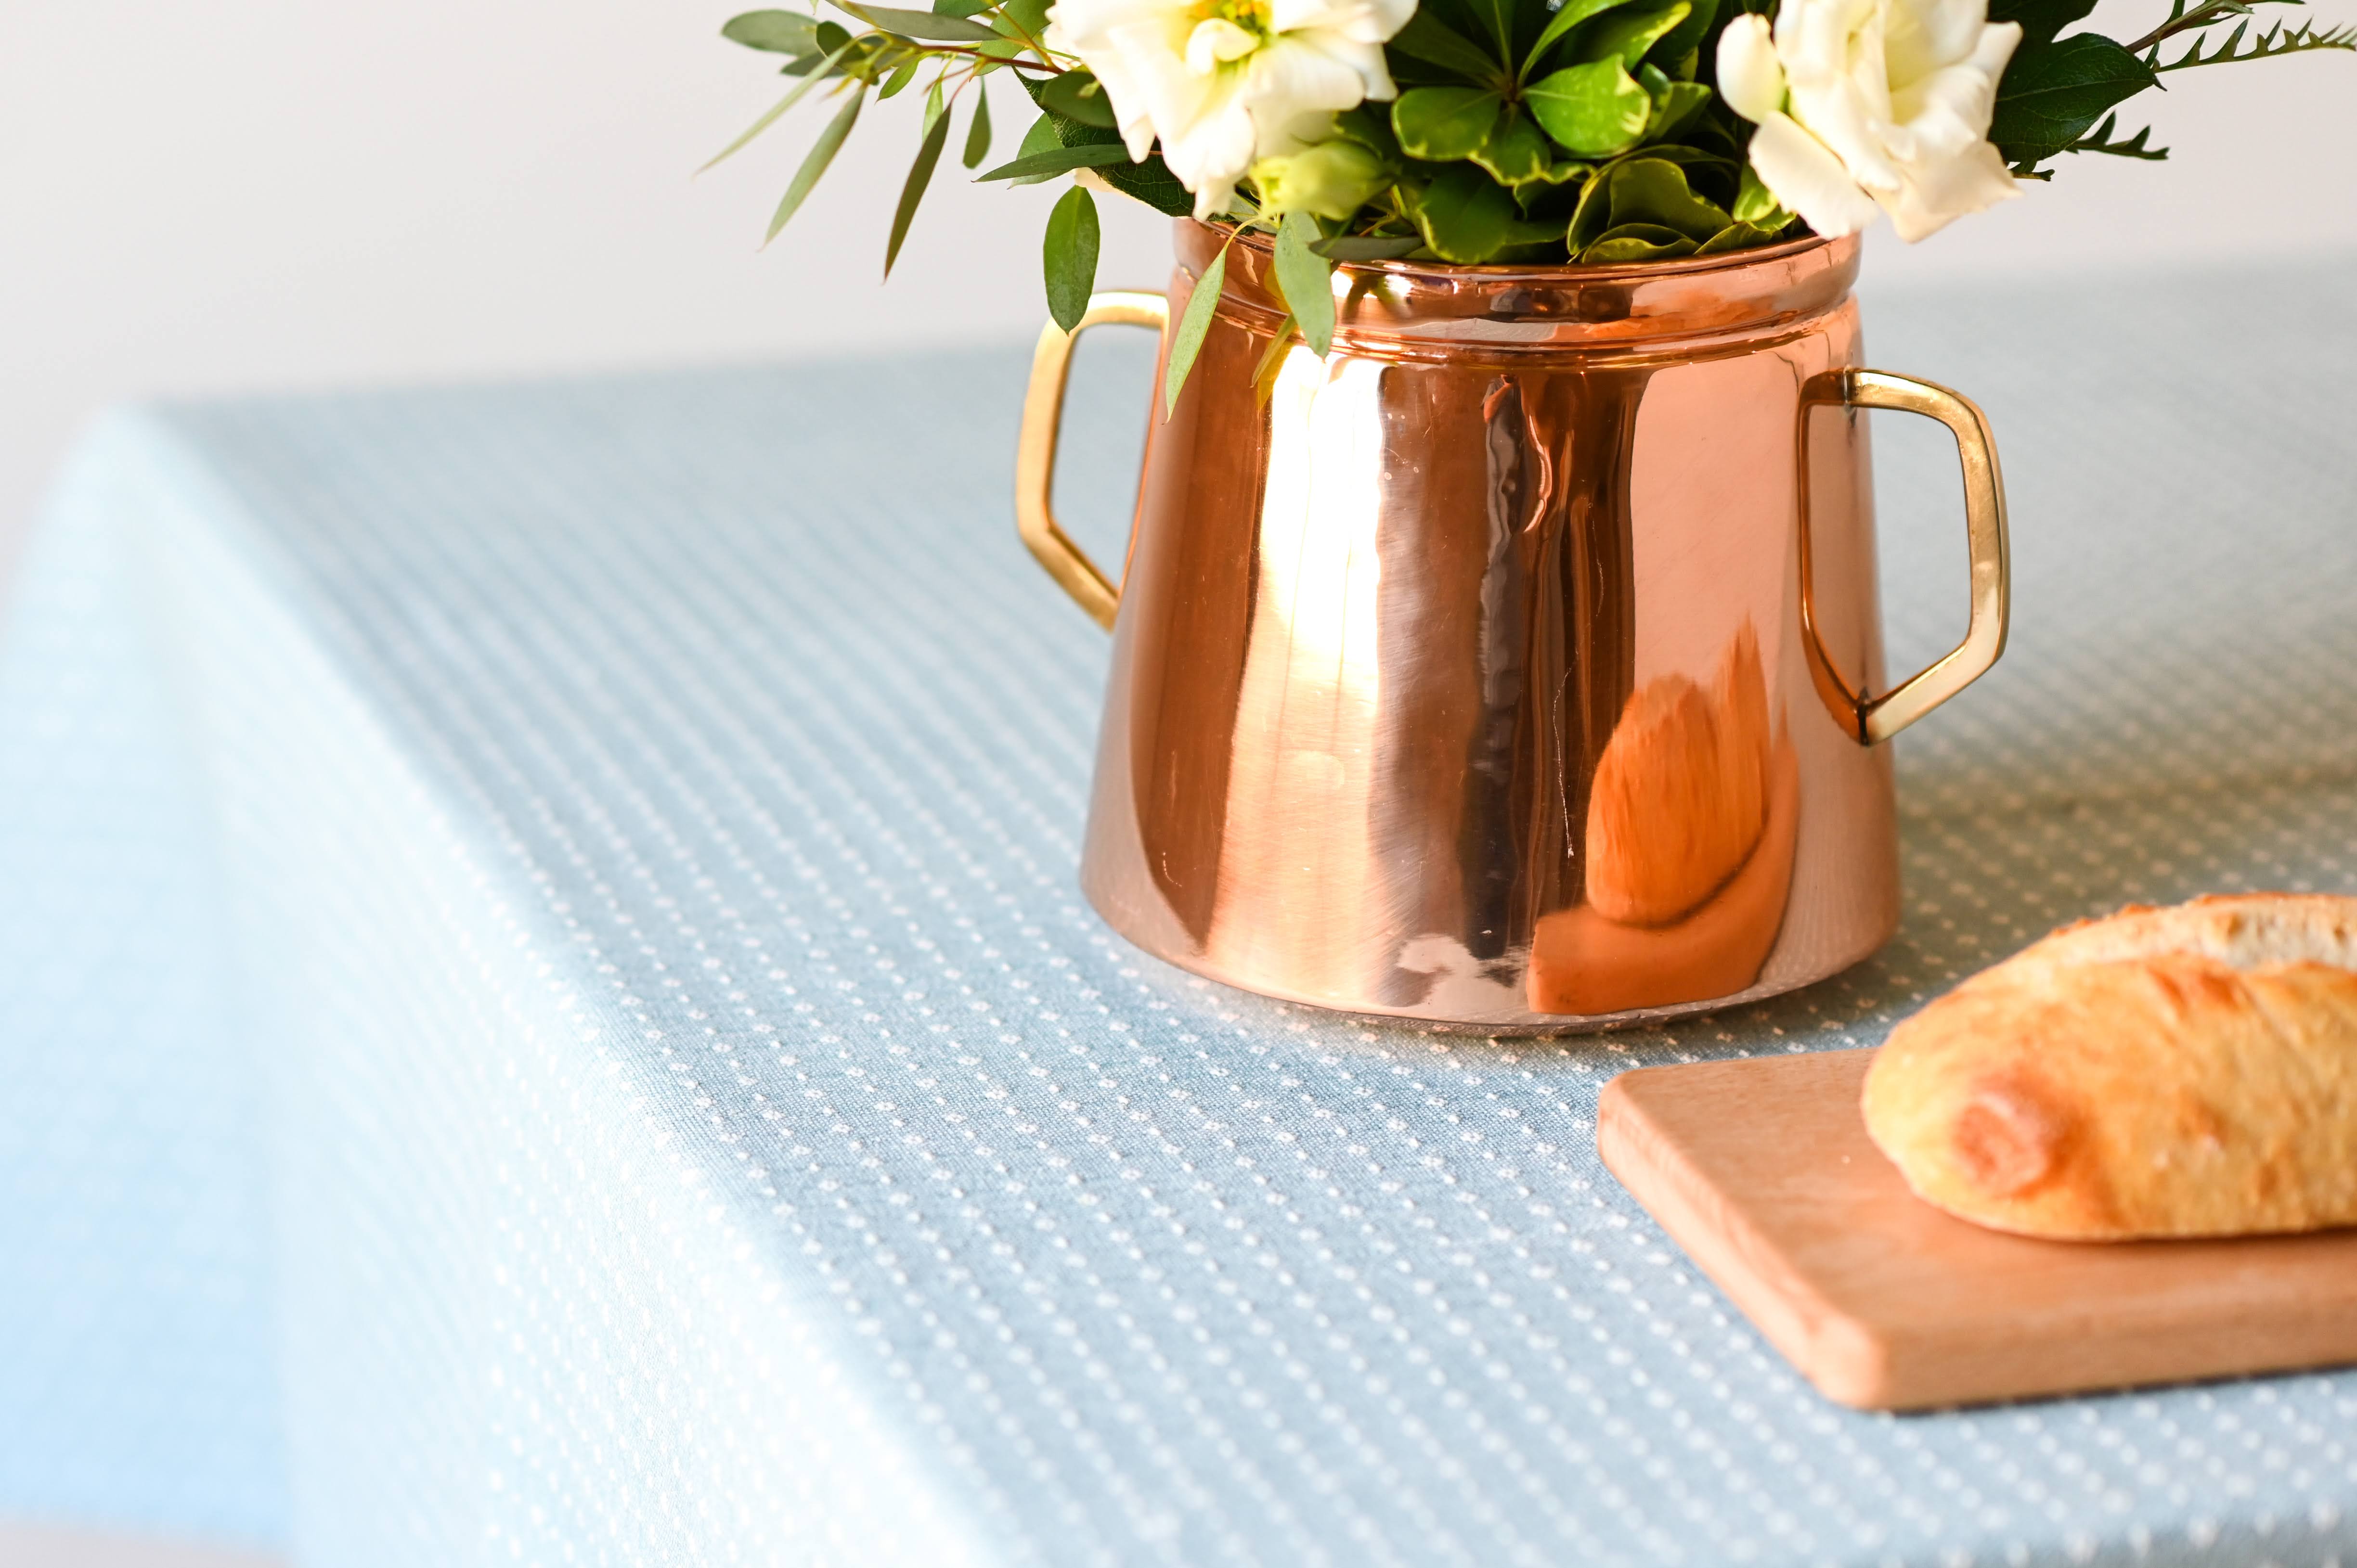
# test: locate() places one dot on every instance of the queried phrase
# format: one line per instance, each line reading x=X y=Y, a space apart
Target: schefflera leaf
x=1638 y=242
x=1593 y=110
x=1654 y=191
x=1442 y=124
x=1628 y=33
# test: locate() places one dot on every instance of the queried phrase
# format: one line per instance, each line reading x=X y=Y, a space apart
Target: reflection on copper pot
x=1503 y=668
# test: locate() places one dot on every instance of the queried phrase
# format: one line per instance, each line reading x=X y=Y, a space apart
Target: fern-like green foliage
x=2061 y=92
x=2279 y=40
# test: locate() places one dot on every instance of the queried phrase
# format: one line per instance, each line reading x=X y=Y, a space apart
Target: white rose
x=1866 y=103
x=1223 y=82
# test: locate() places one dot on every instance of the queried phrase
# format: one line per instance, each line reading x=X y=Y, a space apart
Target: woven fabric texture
x=692 y=1117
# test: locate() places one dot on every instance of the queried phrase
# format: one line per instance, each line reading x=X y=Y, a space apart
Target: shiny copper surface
x=1465 y=680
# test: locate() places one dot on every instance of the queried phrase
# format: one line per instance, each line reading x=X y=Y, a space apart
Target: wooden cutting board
x=1762 y=1170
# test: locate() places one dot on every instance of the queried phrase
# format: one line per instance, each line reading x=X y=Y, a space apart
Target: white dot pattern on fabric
x=720 y=1130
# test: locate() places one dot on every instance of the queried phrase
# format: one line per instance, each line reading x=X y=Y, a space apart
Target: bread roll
x=2164 y=1072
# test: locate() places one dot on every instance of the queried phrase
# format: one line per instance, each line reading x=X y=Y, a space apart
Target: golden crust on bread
x=2163 y=1072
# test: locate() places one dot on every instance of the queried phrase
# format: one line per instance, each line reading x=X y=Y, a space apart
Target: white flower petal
x=1803 y=175
x=1937 y=194
x=1750 y=78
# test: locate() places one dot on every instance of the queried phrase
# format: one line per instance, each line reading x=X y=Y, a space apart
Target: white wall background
x=206 y=196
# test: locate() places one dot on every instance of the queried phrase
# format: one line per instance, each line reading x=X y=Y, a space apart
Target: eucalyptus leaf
x=830 y=142
x=928 y=24
x=902 y=74
x=1040 y=138
x=1465 y=215
x=1369 y=247
x=1441 y=124
x=1070 y=256
x=977 y=137
x=788 y=102
x=1571 y=15
x=1058 y=160
x=1271 y=362
x=961 y=8
x=1306 y=279
x=1653 y=191
x=779 y=32
x=1148 y=180
x=1022 y=18
x=912 y=191
x=1187 y=341
x=1593 y=110
x=1427 y=38
x=1628 y=33
x=1077 y=95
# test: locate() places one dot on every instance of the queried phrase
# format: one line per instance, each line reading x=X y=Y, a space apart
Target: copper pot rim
x=1556 y=273
x=1442 y=311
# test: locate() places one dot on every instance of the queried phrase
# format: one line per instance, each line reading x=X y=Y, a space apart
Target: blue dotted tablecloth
x=545 y=1014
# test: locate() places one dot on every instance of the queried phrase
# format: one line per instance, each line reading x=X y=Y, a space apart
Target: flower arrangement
x=1584 y=131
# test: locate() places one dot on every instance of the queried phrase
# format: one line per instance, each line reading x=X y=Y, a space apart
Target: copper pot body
x=1462 y=676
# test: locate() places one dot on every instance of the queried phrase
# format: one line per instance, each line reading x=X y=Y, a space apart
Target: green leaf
x=961 y=8
x=1572 y=14
x=1040 y=138
x=1077 y=95
x=1070 y=253
x=1187 y=341
x=977 y=137
x=1593 y=110
x=1515 y=153
x=1498 y=17
x=822 y=153
x=1636 y=243
x=1592 y=216
x=925 y=25
x=1626 y=35
x=1674 y=103
x=1305 y=280
x=1753 y=200
x=902 y=74
x=1650 y=190
x=1465 y=215
x=1369 y=247
x=1441 y=124
x=779 y=32
x=788 y=102
x=1022 y=18
x=2050 y=98
x=1427 y=38
x=1058 y=160
x=1736 y=237
x=2039 y=19
x=912 y=191
x=1149 y=180
x=1688 y=35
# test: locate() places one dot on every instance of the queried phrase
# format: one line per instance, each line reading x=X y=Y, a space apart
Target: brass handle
x=1035 y=448
x=1876 y=719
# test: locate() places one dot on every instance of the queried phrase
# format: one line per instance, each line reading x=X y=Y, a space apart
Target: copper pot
x=1517 y=666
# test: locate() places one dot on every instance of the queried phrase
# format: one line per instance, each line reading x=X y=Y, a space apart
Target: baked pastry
x=2163 y=1072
